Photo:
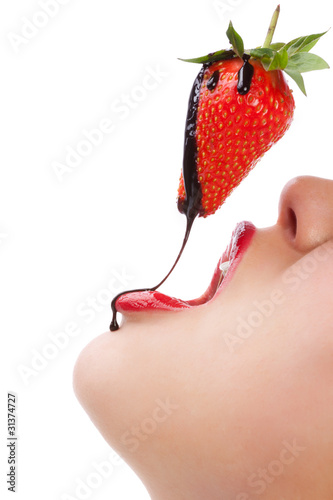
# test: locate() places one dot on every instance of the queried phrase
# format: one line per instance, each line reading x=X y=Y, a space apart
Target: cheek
x=307 y=288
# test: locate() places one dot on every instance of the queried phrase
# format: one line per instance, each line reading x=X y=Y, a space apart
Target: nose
x=306 y=211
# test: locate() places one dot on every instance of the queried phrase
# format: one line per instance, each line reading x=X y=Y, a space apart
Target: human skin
x=202 y=408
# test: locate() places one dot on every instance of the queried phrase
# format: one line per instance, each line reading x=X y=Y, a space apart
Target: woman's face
x=231 y=399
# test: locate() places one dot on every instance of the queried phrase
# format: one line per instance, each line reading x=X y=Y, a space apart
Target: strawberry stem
x=271 y=28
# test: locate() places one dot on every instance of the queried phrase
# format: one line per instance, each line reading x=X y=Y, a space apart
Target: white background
x=63 y=239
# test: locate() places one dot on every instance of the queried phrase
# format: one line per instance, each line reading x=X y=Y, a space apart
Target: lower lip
x=156 y=301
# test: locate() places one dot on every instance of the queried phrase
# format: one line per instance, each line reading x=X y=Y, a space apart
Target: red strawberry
x=243 y=107
x=234 y=131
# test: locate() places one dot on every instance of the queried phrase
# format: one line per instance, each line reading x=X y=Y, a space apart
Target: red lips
x=157 y=301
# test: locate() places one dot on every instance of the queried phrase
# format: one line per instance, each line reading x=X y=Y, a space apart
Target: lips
x=157 y=301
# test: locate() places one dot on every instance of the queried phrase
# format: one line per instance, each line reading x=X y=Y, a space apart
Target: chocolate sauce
x=212 y=82
x=191 y=206
x=245 y=75
x=114 y=324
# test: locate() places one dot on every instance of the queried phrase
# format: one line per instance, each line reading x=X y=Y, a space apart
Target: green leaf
x=266 y=56
x=266 y=62
x=220 y=55
x=303 y=43
x=304 y=62
x=260 y=53
x=276 y=46
x=283 y=58
x=235 y=40
x=297 y=77
x=271 y=59
x=278 y=61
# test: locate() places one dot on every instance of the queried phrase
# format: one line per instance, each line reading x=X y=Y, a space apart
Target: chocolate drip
x=212 y=82
x=191 y=206
x=114 y=324
x=245 y=75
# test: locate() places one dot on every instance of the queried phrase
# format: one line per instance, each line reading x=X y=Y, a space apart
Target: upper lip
x=240 y=239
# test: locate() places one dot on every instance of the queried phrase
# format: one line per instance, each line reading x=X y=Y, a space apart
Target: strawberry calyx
x=294 y=57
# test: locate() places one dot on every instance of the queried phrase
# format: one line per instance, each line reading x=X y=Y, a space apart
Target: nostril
x=292 y=222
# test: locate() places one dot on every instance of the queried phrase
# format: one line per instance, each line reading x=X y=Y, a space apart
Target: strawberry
x=239 y=107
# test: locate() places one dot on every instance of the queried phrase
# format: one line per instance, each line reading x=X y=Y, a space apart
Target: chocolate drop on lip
x=191 y=206
x=245 y=75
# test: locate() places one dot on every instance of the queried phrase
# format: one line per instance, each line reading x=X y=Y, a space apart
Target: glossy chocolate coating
x=245 y=75
x=212 y=82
